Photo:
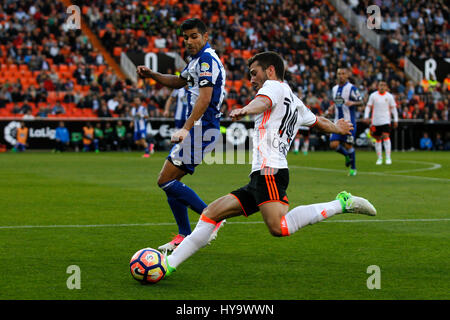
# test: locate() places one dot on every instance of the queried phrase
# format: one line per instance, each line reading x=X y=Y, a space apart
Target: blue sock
x=352 y=154
x=184 y=194
x=342 y=150
x=180 y=213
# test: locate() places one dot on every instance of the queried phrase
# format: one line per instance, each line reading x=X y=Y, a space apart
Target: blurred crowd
x=316 y=41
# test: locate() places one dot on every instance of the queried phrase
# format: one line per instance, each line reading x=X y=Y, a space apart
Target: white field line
x=433 y=166
x=193 y=223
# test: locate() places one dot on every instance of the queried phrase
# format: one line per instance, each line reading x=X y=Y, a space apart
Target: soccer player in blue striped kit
x=346 y=99
x=205 y=77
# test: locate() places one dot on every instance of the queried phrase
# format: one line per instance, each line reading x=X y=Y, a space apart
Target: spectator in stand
x=104 y=112
x=113 y=103
x=28 y=116
x=446 y=86
x=16 y=109
x=62 y=138
x=425 y=142
x=58 y=109
x=26 y=107
x=42 y=112
x=152 y=107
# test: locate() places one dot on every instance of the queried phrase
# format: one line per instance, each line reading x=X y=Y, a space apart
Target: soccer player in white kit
x=278 y=114
x=382 y=105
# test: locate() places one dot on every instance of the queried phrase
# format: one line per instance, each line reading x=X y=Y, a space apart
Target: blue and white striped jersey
x=139 y=115
x=205 y=69
x=342 y=94
x=181 y=107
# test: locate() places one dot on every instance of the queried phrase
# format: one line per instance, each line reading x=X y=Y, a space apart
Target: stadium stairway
x=97 y=44
x=379 y=52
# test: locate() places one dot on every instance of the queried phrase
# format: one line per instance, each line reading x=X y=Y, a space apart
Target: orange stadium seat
x=246 y=54
x=117 y=51
x=13 y=67
x=238 y=84
x=51 y=96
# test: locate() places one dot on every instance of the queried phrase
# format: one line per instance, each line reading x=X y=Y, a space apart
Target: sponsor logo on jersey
x=204 y=66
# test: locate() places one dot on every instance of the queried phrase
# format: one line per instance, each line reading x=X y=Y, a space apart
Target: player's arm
x=367 y=113
x=202 y=103
x=256 y=106
x=350 y=103
x=342 y=126
x=394 y=112
x=167 y=80
x=169 y=102
x=200 y=106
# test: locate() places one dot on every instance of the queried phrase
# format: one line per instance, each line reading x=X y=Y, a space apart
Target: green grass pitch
x=96 y=210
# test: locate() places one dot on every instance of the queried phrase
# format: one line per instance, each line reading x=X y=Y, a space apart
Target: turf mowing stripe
x=193 y=223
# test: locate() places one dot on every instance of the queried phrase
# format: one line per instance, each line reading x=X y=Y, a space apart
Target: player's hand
x=366 y=121
x=395 y=125
x=344 y=126
x=166 y=113
x=237 y=114
x=179 y=135
x=144 y=72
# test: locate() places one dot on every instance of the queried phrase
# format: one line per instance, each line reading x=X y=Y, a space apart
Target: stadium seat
x=238 y=84
x=117 y=51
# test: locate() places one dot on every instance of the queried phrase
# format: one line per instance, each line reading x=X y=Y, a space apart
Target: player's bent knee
x=275 y=229
x=275 y=232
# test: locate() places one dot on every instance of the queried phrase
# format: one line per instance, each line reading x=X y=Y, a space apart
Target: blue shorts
x=179 y=123
x=349 y=138
x=190 y=152
x=141 y=134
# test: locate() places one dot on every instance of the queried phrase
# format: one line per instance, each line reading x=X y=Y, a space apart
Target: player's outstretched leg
x=226 y=206
x=302 y=216
x=216 y=230
x=354 y=204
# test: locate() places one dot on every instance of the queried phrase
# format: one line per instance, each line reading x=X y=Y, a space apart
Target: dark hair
x=193 y=23
x=267 y=59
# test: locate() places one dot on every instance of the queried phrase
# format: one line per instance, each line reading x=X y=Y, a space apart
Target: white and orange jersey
x=381 y=106
x=276 y=127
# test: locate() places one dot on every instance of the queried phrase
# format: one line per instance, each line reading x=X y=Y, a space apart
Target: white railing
x=128 y=67
x=412 y=71
x=360 y=23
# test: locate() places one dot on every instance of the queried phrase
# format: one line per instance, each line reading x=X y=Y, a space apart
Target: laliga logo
x=46 y=132
x=237 y=133
x=10 y=132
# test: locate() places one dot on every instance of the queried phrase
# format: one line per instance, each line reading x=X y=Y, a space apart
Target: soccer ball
x=148 y=266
